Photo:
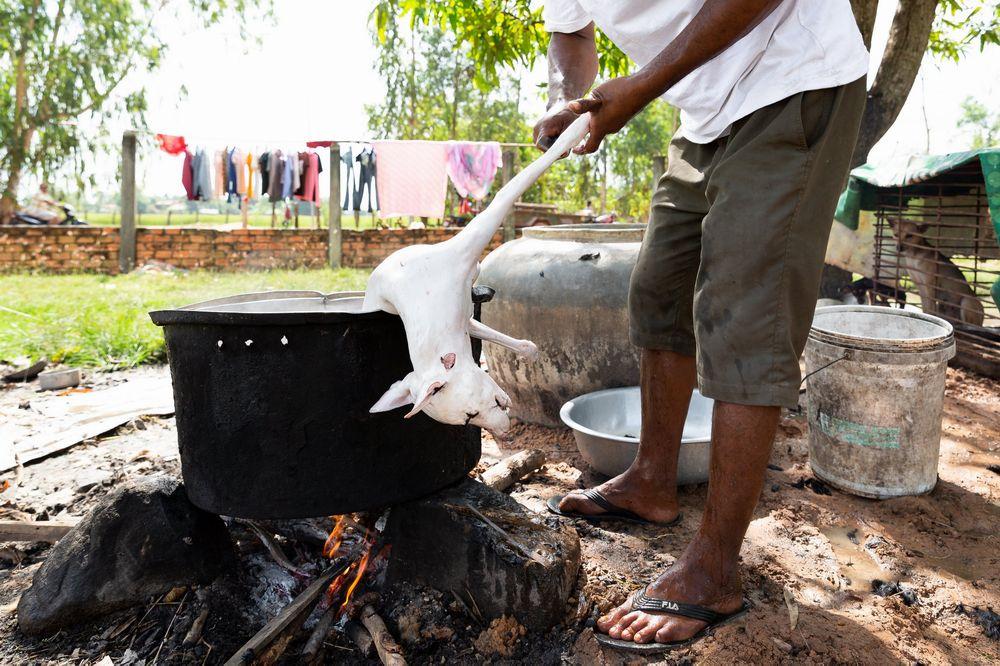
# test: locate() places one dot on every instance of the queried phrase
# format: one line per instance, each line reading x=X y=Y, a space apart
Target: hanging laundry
x=312 y=168
x=239 y=162
x=201 y=173
x=232 y=191
x=472 y=166
x=288 y=176
x=219 y=166
x=187 y=176
x=366 y=179
x=347 y=159
x=264 y=166
x=250 y=175
x=412 y=178
x=297 y=174
x=318 y=144
x=277 y=166
x=172 y=145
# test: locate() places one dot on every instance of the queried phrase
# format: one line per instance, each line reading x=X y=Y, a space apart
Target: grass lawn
x=100 y=320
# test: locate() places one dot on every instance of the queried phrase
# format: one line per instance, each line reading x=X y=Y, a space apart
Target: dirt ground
x=809 y=560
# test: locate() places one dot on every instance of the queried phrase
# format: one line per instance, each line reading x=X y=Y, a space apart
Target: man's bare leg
x=649 y=486
x=707 y=573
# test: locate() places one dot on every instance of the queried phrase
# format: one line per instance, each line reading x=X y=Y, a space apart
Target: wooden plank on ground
x=49 y=531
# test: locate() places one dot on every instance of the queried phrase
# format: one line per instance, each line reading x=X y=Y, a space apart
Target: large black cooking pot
x=272 y=393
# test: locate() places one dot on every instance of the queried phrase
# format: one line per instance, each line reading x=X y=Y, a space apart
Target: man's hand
x=551 y=125
x=611 y=106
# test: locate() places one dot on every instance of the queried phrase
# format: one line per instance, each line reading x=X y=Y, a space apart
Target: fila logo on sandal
x=670 y=605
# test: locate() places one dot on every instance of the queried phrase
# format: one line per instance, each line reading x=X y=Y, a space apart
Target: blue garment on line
x=288 y=177
x=231 y=189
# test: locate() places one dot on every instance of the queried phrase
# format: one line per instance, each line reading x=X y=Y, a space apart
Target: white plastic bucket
x=875 y=392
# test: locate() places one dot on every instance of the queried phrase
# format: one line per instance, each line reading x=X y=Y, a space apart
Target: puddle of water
x=855 y=564
x=956 y=565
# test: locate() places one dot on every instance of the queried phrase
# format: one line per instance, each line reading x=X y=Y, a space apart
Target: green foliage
x=499 y=34
x=985 y=125
x=622 y=169
x=102 y=321
x=961 y=24
x=64 y=61
x=430 y=91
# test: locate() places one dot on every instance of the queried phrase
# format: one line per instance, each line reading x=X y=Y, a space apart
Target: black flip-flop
x=642 y=602
x=611 y=512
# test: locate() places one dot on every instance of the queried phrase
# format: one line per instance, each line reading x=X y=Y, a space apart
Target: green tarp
x=861 y=192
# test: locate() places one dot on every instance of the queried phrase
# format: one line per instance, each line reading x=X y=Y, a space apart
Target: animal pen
x=935 y=245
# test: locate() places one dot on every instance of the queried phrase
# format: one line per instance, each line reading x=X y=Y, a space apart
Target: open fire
x=348 y=537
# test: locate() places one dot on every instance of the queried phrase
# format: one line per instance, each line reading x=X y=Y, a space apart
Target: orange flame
x=336 y=538
x=355 y=570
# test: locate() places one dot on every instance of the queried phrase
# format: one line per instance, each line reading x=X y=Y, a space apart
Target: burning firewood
x=360 y=636
x=512 y=469
x=268 y=644
x=313 y=651
x=386 y=646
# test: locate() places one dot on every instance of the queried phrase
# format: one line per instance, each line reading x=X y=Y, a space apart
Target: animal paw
x=528 y=349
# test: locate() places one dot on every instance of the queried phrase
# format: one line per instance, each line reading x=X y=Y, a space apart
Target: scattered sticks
x=313 y=651
x=268 y=644
x=512 y=469
x=193 y=635
x=272 y=547
x=361 y=637
x=386 y=646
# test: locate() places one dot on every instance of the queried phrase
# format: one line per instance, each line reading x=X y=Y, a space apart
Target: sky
x=312 y=73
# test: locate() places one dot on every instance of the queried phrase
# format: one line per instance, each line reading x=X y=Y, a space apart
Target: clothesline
x=410 y=179
x=195 y=139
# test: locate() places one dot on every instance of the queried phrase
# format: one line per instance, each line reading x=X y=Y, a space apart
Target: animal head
x=460 y=393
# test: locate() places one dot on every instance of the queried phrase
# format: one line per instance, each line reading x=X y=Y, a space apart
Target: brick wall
x=59 y=249
x=95 y=249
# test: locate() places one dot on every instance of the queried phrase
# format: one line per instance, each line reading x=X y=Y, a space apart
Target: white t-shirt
x=802 y=45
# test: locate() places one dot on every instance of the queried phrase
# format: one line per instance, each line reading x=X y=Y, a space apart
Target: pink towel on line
x=411 y=178
x=472 y=166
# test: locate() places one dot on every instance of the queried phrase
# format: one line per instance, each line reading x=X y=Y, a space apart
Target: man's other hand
x=551 y=125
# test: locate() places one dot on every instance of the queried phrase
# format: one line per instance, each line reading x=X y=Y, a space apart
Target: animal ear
x=425 y=393
x=397 y=396
x=448 y=360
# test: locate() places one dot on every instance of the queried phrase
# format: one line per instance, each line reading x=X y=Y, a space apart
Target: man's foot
x=684 y=582
x=648 y=498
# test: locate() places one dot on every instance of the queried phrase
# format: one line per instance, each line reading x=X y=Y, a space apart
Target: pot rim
x=204 y=312
x=588 y=233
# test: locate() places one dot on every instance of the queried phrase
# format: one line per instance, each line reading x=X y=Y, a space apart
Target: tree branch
x=904 y=51
x=864 y=13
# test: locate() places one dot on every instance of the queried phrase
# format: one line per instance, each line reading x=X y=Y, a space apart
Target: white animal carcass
x=429 y=287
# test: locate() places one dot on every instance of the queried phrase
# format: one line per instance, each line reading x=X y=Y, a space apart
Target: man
x=723 y=293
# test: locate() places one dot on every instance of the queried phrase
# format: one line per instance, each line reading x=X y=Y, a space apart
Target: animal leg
x=480 y=330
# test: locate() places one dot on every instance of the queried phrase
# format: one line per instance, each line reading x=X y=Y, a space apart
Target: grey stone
x=525 y=568
x=141 y=540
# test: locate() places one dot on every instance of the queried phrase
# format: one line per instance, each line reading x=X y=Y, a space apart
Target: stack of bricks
x=95 y=249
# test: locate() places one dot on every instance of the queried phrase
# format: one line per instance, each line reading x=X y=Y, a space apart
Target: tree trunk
x=904 y=51
x=864 y=12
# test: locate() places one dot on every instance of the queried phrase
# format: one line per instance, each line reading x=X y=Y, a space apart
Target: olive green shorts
x=731 y=262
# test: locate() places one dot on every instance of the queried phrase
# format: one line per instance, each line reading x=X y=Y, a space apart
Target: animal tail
x=479 y=232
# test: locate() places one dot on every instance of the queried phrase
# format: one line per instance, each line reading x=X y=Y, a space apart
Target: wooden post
x=334 y=238
x=506 y=173
x=659 y=166
x=126 y=233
